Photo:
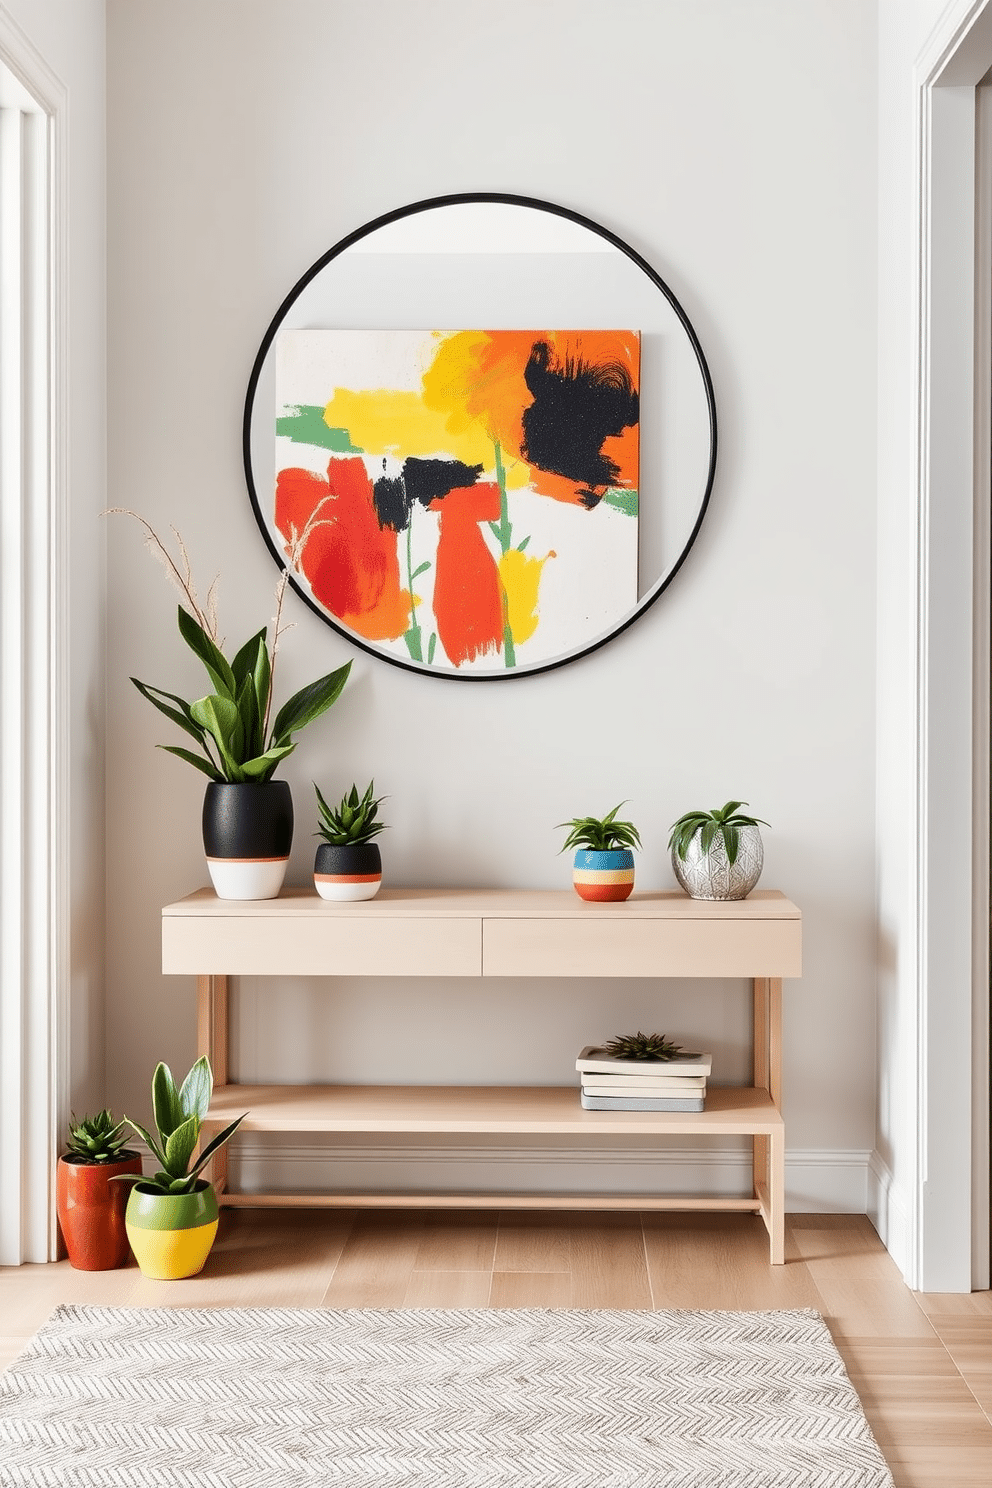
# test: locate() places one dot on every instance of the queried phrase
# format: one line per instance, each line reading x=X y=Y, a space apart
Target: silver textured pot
x=709 y=875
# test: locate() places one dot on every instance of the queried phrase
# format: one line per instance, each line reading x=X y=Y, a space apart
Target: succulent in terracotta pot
x=90 y=1207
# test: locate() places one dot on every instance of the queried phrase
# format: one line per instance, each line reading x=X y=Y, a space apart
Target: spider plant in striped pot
x=603 y=867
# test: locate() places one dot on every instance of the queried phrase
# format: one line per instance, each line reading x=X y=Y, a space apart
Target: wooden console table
x=470 y=932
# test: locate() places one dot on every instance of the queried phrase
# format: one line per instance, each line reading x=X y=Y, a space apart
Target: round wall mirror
x=481 y=431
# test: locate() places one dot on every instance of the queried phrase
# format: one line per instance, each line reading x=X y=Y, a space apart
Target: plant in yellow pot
x=172 y=1217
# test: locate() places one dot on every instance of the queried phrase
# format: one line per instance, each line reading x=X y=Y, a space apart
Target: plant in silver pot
x=247 y=816
x=348 y=864
x=717 y=854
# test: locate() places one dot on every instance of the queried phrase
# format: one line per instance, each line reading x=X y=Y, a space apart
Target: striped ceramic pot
x=171 y=1234
x=247 y=836
x=352 y=871
x=603 y=876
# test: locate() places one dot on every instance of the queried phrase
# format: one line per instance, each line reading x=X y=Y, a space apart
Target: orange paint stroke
x=468 y=596
x=477 y=379
x=350 y=562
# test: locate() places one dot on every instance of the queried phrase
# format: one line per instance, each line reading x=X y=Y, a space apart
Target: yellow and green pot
x=171 y=1234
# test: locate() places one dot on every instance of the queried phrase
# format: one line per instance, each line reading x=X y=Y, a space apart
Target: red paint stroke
x=350 y=562
x=468 y=596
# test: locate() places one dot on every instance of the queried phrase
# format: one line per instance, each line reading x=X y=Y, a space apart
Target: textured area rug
x=282 y=1398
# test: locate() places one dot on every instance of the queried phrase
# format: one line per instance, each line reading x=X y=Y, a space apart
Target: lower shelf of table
x=539 y=1110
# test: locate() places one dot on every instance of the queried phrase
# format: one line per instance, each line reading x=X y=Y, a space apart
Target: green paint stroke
x=504 y=536
x=621 y=500
x=305 y=425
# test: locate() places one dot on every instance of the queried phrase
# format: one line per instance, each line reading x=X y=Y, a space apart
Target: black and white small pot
x=353 y=871
x=247 y=837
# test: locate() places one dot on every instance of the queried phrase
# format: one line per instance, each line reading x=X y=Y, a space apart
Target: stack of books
x=610 y=1084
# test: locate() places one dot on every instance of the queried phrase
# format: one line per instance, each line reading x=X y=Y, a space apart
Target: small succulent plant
x=601 y=834
x=351 y=822
x=650 y=1047
x=96 y=1139
x=179 y=1114
x=727 y=822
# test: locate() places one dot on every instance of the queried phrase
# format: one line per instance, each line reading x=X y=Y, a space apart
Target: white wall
x=923 y=1196
x=734 y=147
x=70 y=37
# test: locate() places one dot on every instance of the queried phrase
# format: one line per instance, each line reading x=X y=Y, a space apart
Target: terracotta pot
x=91 y=1210
x=171 y=1234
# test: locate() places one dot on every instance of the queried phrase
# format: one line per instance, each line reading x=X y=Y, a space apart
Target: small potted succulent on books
x=90 y=1208
x=717 y=854
x=247 y=815
x=172 y=1216
x=348 y=864
x=603 y=869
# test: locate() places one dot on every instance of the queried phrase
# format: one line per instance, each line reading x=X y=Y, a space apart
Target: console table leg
x=776 y=1194
x=759 y=1045
x=211 y=1040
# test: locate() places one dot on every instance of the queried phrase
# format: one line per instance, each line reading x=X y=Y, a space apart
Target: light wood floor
x=922 y=1364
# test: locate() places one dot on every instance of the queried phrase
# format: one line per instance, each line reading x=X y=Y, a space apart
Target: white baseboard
x=889 y=1213
x=816 y=1182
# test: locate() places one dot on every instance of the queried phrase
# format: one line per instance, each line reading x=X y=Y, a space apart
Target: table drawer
x=641 y=947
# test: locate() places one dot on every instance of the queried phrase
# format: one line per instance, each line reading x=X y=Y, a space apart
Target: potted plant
x=717 y=854
x=603 y=868
x=90 y=1208
x=172 y=1217
x=247 y=816
x=348 y=864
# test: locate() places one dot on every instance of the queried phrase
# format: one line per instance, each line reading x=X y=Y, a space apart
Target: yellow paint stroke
x=476 y=381
x=383 y=422
x=521 y=578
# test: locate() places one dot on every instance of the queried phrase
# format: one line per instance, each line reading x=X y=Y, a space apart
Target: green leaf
x=246 y=660
x=218 y=1141
x=496 y=531
x=728 y=810
x=179 y=715
x=207 y=766
x=220 y=717
x=522 y=545
x=212 y=657
x=179 y=1147
x=165 y=1102
x=197 y=1088
x=706 y=834
x=149 y=1140
x=418 y=571
x=309 y=703
x=262 y=766
x=431 y=645
x=251 y=724
x=731 y=842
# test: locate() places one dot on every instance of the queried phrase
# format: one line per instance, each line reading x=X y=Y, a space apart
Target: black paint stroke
x=419 y=480
x=576 y=406
x=429 y=480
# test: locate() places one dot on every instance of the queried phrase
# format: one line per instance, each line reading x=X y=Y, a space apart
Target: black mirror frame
x=460 y=199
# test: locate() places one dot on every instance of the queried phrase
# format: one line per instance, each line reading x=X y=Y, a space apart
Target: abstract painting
x=471 y=495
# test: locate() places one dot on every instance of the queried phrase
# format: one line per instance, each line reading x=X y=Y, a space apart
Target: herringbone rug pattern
x=428 y=1398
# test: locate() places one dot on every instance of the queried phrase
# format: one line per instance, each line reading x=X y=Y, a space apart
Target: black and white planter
x=353 y=871
x=247 y=837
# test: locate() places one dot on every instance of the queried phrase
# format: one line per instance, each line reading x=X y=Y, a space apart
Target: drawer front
x=313 y=946
x=642 y=947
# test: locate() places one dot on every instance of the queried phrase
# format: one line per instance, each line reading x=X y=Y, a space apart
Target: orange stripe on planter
x=347 y=877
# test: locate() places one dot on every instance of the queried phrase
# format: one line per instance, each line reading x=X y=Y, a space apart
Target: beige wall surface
x=734 y=147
